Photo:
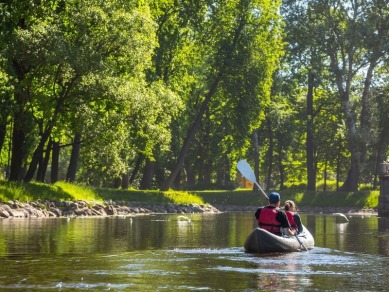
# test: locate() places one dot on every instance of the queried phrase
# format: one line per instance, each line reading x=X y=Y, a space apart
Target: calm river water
x=161 y=253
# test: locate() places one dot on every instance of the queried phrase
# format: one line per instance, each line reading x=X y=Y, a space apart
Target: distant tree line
x=171 y=94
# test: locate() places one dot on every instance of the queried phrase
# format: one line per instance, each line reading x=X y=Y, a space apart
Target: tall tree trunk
x=55 y=163
x=352 y=180
x=18 y=137
x=38 y=153
x=72 y=169
x=338 y=167
x=227 y=172
x=3 y=131
x=190 y=177
x=125 y=180
x=185 y=147
x=148 y=174
x=310 y=145
x=256 y=158
x=20 y=121
x=325 y=176
x=135 y=170
x=207 y=173
x=177 y=181
x=44 y=162
x=270 y=152
x=281 y=168
x=356 y=139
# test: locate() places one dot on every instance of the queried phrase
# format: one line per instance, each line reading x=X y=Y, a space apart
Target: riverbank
x=19 y=200
x=47 y=209
x=80 y=208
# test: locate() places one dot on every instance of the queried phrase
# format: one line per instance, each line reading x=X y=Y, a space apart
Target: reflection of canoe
x=262 y=241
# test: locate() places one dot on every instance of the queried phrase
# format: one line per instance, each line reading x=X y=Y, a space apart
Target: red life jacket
x=267 y=220
x=292 y=223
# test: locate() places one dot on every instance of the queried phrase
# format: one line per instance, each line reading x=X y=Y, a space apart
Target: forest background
x=169 y=94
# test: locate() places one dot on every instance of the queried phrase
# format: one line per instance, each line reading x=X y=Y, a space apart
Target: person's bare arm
x=290 y=232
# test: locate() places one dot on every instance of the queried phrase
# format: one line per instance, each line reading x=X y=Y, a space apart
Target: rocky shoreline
x=46 y=209
x=56 y=209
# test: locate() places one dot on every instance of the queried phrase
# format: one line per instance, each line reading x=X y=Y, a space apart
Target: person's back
x=267 y=220
x=293 y=217
x=271 y=218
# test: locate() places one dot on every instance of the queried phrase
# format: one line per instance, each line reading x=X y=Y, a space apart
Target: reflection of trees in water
x=383 y=235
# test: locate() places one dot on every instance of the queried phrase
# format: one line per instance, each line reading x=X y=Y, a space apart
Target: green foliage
x=130 y=76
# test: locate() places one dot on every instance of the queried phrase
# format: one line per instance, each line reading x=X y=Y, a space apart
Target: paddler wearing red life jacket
x=272 y=218
x=293 y=217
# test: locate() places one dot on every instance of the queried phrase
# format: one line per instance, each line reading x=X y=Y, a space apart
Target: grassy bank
x=360 y=199
x=62 y=191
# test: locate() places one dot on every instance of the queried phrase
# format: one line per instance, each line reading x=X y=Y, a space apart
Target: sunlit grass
x=67 y=191
x=372 y=200
x=77 y=192
x=12 y=191
x=183 y=197
x=63 y=191
x=149 y=196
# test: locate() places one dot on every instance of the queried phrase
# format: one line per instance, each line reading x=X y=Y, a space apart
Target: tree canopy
x=171 y=94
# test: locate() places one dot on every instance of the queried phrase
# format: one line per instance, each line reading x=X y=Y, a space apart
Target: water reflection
x=165 y=252
x=383 y=235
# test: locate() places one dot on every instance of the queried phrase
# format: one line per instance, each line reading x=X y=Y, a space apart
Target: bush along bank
x=47 y=209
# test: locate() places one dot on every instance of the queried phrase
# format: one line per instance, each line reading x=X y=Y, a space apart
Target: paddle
x=246 y=171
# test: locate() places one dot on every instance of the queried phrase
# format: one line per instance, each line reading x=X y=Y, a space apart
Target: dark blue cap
x=274 y=197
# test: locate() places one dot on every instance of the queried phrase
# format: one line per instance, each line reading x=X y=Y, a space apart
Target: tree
x=60 y=59
x=347 y=40
x=355 y=42
x=235 y=34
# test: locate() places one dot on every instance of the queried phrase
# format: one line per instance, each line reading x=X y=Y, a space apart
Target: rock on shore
x=42 y=209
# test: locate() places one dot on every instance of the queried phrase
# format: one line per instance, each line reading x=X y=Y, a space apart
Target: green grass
x=63 y=191
x=31 y=192
x=236 y=198
x=149 y=196
x=360 y=199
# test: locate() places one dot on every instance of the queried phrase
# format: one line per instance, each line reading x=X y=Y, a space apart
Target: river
x=202 y=252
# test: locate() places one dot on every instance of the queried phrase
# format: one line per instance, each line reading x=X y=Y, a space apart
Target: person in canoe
x=293 y=217
x=272 y=218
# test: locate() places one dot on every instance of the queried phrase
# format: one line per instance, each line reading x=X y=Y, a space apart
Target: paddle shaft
x=301 y=243
x=259 y=187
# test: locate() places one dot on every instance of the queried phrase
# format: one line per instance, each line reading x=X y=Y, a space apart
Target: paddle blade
x=246 y=171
